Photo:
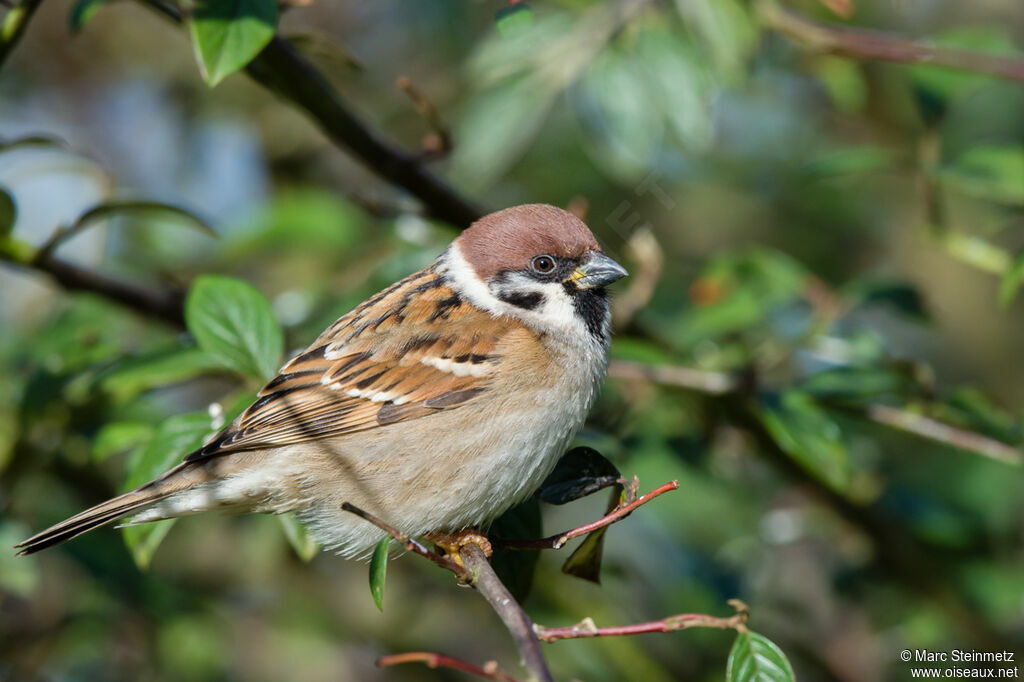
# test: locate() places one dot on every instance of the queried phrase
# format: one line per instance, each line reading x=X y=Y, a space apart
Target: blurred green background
x=836 y=237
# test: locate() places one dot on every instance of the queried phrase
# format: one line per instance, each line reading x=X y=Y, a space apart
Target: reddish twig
x=438 y=143
x=403 y=538
x=489 y=671
x=682 y=621
x=861 y=43
x=620 y=512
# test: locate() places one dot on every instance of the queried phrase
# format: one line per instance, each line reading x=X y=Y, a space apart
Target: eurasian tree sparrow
x=436 y=405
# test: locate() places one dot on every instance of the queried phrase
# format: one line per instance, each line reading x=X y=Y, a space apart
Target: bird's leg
x=451 y=543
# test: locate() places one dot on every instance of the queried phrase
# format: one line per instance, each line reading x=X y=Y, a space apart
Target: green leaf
x=1011 y=281
x=855 y=382
x=379 y=572
x=8 y=212
x=807 y=434
x=989 y=172
x=585 y=561
x=299 y=537
x=512 y=19
x=228 y=34
x=755 y=658
x=173 y=439
x=149 y=210
x=133 y=375
x=580 y=472
x=117 y=437
x=234 y=322
x=82 y=12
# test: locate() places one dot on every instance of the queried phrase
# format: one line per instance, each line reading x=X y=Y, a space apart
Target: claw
x=452 y=543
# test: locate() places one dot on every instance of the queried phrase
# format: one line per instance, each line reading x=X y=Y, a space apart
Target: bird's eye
x=542 y=265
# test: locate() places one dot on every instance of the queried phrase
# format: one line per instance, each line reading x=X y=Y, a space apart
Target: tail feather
x=110 y=511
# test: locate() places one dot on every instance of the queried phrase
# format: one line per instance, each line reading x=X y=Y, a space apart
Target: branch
x=281 y=69
x=165 y=305
x=403 y=538
x=490 y=670
x=682 y=621
x=13 y=26
x=485 y=581
x=619 y=513
x=866 y=44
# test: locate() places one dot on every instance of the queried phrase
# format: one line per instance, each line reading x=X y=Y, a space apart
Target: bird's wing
x=412 y=350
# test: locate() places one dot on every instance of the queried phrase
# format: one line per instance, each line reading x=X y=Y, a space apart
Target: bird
x=436 y=404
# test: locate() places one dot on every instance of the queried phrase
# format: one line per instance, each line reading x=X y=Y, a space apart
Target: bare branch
x=403 y=538
x=682 y=621
x=865 y=44
x=619 y=513
x=438 y=143
x=485 y=581
x=489 y=671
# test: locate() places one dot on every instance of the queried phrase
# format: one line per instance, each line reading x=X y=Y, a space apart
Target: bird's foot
x=451 y=543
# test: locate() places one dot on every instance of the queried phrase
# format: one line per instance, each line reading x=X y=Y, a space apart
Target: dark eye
x=542 y=265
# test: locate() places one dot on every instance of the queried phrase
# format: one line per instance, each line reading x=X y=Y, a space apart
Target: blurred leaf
x=135 y=374
x=1011 y=281
x=580 y=472
x=807 y=434
x=850 y=161
x=298 y=220
x=726 y=31
x=235 y=323
x=379 y=572
x=18 y=577
x=513 y=19
x=8 y=212
x=585 y=561
x=45 y=141
x=516 y=567
x=496 y=127
x=228 y=34
x=173 y=439
x=855 y=382
x=148 y=210
x=976 y=411
x=299 y=537
x=82 y=13
x=988 y=172
x=755 y=658
x=936 y=86
x=844 y=81
x=902 y=297
x=118 y=437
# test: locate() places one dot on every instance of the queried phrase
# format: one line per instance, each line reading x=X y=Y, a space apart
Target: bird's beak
x=598 y=271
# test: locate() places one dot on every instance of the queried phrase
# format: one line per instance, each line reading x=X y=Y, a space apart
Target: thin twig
x=403 y=538
x=557 y=541
x=865 y=44
x=489 y=671
x=439 y=142
x=14 y=24
x=703 y=381
x=682 y=621
x=485 y=581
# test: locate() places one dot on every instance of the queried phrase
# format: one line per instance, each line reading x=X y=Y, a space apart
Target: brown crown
x=509 y=239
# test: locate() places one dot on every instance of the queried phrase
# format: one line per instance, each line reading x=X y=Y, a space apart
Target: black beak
x=598 y=271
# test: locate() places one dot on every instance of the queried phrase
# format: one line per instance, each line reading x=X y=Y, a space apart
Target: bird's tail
x=182 y=477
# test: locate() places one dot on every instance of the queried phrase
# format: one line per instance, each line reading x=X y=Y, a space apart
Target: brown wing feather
x=407 y=352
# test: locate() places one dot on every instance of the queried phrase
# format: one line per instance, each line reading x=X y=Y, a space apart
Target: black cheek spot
x=527 y=301
x=591 y=305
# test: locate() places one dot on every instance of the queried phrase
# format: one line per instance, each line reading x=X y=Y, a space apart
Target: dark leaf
x=755 y=658
x=901 y=297
x=82 y=12
x=379 y=572
x=581 y=472
x=856 y=382
x=807 y=434
x=585 y=561
x=8 y=212
x=515 y=567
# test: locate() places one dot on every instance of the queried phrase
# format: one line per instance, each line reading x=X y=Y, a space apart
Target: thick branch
x=13 y=26
x=281 y=69
x=485 y=581
x=682 y=621
x=865 y=44
x=165 y=305
x=619 y=513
